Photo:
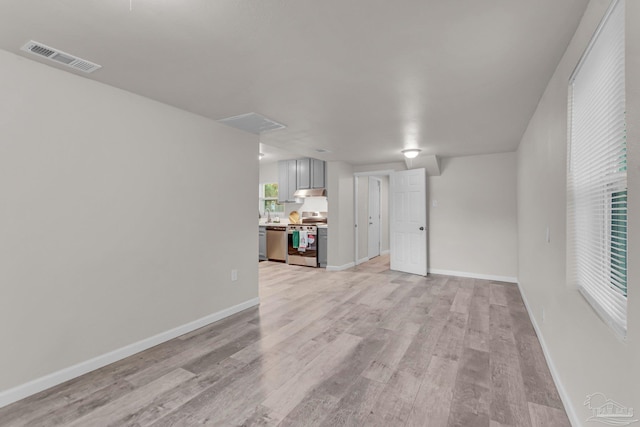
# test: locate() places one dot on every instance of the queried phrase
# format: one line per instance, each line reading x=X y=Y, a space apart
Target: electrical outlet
x=234 y=275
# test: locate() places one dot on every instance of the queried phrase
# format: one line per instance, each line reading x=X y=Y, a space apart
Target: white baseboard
x=361 y=260
x=386 y=252
x=564 y=396
x=474 y=275
x=39 y=384
x=340 y=267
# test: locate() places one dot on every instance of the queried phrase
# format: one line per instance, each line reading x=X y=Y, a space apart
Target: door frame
x=379 y=181
x=401 y=226
x=356 y=175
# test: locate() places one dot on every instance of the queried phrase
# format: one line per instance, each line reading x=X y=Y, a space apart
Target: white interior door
x=374 y=217
x=408 y=221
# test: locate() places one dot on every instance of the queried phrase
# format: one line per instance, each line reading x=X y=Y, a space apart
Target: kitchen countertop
x=283 y=221
x=284 y=224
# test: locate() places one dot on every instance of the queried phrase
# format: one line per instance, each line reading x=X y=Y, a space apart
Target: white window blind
x=597 y=172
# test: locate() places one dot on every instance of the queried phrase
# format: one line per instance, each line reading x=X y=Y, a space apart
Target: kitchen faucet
x=268 y=212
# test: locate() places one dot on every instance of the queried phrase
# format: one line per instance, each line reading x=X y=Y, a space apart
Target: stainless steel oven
x=302 y=245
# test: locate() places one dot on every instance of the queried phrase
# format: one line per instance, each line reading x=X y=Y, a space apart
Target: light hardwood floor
x=362 y=347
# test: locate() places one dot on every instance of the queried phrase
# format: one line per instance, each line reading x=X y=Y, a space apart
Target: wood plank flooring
x=362 y=347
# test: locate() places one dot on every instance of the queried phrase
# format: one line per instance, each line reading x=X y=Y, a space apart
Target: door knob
x=421 y=228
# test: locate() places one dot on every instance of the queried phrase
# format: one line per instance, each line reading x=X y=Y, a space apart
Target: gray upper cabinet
x=304 y=173
x=287 y=180
x=317 y=173
x=300 y=174
x=310 y=173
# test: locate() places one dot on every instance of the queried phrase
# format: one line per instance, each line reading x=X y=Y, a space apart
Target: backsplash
x=314 y=204
x=311 y=204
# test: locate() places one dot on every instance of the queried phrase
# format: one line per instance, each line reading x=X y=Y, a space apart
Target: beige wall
x=585 y=354
x=473 y=228
x=115 y=218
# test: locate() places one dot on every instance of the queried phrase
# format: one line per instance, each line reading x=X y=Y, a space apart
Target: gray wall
x=268 y=172
x=118 y=218
x=586 y=355
x=340 y=199
x=473 y=228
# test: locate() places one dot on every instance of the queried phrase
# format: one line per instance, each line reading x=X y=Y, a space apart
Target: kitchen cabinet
x=300 y=174
x=322 y=246
x=262 y=243
x=317 y=173
x=310 y=173
x=303 y=171
x=287 y=180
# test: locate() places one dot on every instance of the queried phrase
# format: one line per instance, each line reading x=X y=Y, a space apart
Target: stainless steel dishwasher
x=276 y=243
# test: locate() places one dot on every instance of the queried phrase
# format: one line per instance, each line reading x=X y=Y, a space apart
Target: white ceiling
x=361 y=78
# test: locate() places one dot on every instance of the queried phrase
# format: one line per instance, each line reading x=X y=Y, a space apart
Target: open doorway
x=374 y=218
x=401 y=233
x=371 y=215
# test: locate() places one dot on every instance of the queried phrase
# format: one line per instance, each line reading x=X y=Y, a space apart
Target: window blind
x=597 y=172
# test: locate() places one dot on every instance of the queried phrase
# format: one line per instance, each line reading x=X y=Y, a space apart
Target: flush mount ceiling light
x=411 y=153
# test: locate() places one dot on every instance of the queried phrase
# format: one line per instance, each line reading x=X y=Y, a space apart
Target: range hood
x=310 y=192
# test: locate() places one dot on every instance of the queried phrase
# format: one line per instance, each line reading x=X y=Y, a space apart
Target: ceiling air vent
x=60 y=57
x=252 y=123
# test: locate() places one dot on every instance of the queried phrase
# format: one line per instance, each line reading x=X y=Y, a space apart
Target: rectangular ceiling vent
x=252 y=123
x=60 y=57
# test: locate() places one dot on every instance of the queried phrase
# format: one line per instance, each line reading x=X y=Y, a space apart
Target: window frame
x=597 y=264
x=262 y=199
